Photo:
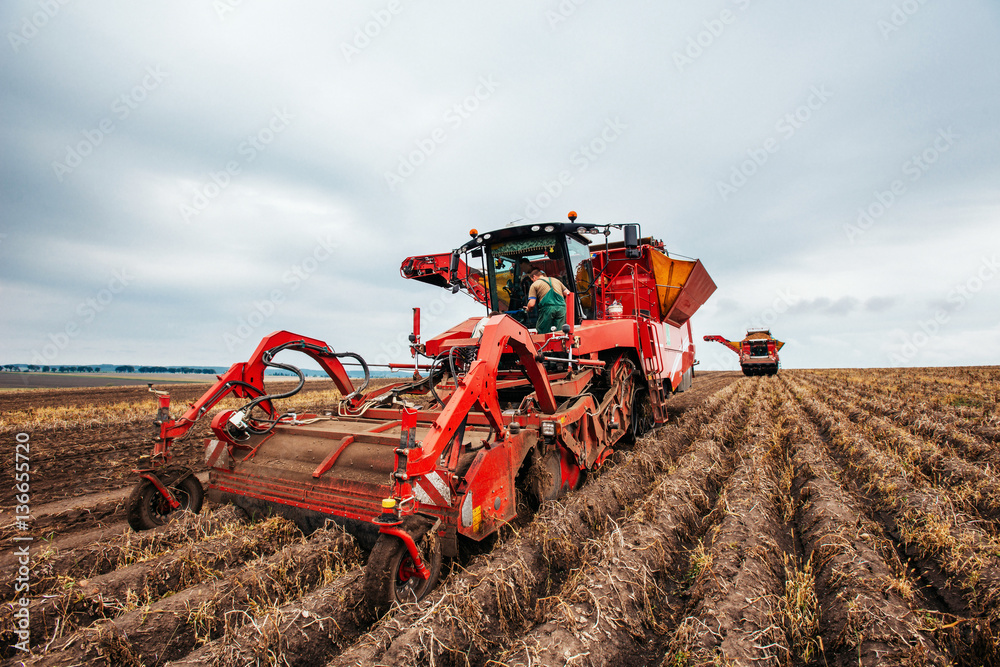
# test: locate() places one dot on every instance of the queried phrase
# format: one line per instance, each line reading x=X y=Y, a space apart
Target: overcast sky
x=179 y=178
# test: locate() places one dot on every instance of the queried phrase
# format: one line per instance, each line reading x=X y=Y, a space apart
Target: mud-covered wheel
x=147 y=508
x=544 y=479
x=643 y=419
x=391 y=576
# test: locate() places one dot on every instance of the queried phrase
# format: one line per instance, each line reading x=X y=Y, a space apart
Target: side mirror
x=632 y=241
x=452 y=273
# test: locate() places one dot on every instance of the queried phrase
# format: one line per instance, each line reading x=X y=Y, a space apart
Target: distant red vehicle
x=758 y=351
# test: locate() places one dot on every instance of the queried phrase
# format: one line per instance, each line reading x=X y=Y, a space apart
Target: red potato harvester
x=758 y=351
x=496 y=412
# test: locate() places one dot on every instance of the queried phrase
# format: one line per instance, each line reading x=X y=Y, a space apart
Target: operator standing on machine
x=550 y=296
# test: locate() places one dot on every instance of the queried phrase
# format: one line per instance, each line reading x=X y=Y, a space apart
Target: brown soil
x=815 y=518
x=76 y=396
x=77 y=602
x=861 y=584
x=46 y=381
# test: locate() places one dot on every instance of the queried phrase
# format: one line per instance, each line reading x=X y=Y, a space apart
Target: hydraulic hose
x=267 y=358
x=364 y=367
x=430 y=379
x=451 y=358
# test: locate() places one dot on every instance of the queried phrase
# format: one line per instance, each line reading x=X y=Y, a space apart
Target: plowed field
x=835 y=517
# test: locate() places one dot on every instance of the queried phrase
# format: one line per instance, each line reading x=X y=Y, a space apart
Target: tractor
x=496 y=417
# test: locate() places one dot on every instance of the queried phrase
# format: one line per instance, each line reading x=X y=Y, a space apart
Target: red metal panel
x=332 y=458
x=491 y=487
x=478 y=388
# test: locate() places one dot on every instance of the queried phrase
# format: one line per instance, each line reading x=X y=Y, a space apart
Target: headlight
x=549 y=429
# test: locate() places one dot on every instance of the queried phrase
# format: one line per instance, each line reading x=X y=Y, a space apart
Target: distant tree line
x=163 y=369
x=33 y=368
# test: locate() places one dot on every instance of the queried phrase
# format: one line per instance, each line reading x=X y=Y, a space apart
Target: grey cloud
x=560 y=78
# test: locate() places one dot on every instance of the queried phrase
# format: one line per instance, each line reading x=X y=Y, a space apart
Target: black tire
x=147 y=508
x=687 y=379
x=390 y=575
x=643 y=419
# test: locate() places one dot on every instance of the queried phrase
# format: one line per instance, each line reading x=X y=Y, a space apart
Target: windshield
x=583 y=277
x=512 y=261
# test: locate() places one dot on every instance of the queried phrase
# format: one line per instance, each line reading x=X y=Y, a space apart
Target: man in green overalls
x=549 y=295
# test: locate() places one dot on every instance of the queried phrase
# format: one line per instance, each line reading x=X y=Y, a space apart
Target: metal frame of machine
x=497 y=414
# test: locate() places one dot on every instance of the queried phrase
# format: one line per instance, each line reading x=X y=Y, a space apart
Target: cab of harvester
x=630 y=279
x=496 y=411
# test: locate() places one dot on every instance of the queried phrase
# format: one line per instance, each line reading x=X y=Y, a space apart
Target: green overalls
x=551 y=311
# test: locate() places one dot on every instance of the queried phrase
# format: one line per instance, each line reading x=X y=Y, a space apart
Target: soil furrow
x=923 y=521
x=480 y=610
x=618 y=606
x=735 y=613
x=304 y=632
x=922 y=422
x=607 y=610
x=78 y=603
x=107 y=549
x=973 y=410
x=867 y=619
x=977 y=490
x=173 y=626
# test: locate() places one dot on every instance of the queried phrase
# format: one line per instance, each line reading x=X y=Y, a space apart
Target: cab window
x=583 y=275
x=511 y=263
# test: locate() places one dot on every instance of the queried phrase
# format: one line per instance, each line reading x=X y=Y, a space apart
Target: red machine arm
x=479 y=386
x=436 y=270
x=246 y=380
x=731 y=344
